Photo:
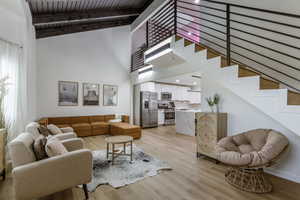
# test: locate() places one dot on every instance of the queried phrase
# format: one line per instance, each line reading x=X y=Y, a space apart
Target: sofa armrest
x=67 y=130
x=73 y=144
x=125 y=118
x=65 y=136
x=52 y=175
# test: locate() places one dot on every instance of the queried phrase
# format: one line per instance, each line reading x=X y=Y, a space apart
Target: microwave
x=166 y=96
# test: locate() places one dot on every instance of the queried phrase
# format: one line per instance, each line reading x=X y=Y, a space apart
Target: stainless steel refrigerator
x=149 y=111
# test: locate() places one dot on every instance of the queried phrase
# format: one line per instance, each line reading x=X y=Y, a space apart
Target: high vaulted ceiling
x=57 y=17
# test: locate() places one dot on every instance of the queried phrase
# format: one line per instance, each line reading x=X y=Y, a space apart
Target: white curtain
x=14 y=104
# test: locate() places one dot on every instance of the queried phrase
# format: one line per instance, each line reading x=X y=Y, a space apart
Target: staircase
x=282 y=105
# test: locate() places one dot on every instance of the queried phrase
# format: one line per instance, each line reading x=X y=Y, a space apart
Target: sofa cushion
x=109 y=117
x=81 y=126
x=63 y=125
x=54 y=129
x=59 y=120
x=97 y=118
x=125 y=125
x=39 y=147
x=78 y=120
x=99 y=124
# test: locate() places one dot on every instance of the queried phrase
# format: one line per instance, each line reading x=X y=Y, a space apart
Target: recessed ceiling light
x=189 y=33
x=195 y=83
x=197 y=1
x=177 y=81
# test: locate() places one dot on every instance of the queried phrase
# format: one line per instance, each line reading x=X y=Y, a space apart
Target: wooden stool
x=114 y=140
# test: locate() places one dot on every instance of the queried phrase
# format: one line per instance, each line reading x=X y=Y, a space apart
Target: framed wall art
x=110 y=95
x=90 y=94
x=67 y=93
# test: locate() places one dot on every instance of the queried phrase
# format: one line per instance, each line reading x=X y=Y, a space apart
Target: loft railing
x=162 y=25
x=265 y=41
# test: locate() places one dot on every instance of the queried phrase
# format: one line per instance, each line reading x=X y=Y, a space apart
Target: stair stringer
x=271 y=102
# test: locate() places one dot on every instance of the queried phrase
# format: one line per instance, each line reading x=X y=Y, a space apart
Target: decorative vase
x=3 y=135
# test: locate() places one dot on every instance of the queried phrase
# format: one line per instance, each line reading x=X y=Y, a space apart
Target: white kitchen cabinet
x=149 y=87
x=194 y=97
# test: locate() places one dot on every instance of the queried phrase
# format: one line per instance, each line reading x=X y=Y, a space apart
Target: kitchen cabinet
x=148 y=87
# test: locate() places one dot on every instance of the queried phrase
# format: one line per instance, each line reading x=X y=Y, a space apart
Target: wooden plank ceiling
x=58 y=17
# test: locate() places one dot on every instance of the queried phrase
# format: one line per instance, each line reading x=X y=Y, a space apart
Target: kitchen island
x=185 y=121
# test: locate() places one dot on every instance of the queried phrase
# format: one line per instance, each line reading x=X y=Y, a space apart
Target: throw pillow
x=54 y=147
x=54 y=129
x=43 y=130
x=39 y=147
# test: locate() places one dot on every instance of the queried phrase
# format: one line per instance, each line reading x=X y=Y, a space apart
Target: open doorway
x=170 y=101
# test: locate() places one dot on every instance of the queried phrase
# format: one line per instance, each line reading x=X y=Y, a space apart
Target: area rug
x=123 y=172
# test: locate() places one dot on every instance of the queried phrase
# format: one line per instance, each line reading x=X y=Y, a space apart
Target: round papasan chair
x=248 y=154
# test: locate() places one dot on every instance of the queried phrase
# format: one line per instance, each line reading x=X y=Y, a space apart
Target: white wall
x=101 y=56
x=243 y=116
x=16 y=27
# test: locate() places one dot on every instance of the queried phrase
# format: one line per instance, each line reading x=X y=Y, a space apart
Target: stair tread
x=199 y=48
x=266 y=84
x=187 y=42
x=293 y=98
x=244 y=72
x=177 y=38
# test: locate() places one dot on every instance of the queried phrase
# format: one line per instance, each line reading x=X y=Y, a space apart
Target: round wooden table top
x=118 y=139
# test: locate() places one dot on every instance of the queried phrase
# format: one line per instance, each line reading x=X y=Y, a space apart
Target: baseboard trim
x=284 y=175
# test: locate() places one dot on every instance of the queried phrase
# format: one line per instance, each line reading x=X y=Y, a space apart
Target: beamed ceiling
x=58 y=17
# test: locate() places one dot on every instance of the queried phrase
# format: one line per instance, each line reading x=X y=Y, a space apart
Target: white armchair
x=68 y=132
x=35 y=179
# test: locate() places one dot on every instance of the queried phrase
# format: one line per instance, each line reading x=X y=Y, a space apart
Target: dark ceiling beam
x=80 y=27
x=79 y=15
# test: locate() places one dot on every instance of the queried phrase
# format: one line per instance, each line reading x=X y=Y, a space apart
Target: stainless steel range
x=169 y=116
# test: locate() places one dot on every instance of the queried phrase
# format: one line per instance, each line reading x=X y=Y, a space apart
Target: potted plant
x=211 y=103
x=217 y=101
x=3 y=91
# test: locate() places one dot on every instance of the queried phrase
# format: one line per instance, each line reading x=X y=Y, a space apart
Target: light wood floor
x=191 y=178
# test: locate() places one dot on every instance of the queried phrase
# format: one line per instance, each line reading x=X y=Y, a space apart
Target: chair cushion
x=54 y=147
x=81 y=126
x=39 y=147
x=252 y=148
x=33 y=129
x=54 y=129
x=44 y=131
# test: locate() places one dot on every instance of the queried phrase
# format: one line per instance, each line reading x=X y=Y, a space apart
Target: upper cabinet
x=149 y=87
x=179 y=93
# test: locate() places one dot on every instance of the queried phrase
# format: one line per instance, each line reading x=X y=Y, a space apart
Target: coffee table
x=115 y=140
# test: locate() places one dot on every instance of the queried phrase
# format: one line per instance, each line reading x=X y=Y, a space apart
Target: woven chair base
x=250 y=180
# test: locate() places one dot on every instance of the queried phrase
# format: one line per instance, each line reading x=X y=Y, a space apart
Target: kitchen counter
x=185 y=121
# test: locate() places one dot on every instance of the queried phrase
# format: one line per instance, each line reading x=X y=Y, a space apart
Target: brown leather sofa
x=95 y=125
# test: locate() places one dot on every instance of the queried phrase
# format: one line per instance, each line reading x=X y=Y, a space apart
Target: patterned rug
x=123 y=172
